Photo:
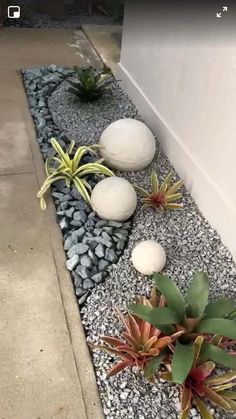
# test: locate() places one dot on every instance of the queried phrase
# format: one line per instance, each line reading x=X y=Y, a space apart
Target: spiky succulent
x=163 y=196
x=67 y=168
x=200 y=383
x=140 y=343
x=193 y=315
x=90 y=84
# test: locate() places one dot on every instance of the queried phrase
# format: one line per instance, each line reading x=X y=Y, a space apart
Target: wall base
x=208 y=196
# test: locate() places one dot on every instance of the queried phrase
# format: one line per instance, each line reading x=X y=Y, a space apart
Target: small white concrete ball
x=128 y=145
x=114 y=198
x=148 y=256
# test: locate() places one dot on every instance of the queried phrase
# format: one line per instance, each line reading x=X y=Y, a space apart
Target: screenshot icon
x=13 y=12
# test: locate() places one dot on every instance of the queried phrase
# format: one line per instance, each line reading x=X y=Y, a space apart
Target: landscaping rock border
x=189 y=241
x=92 y=245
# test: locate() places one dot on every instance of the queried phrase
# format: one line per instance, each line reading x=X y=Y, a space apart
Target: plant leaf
x=154 y=182
x=221 y=379
x=156 y=316
x=229 y=394
x=218 y=355
x=186 y=398
x=182 y=362
x=222 y=327
x=153 y=365
x=197 y=295
x=184 y=414
x=216 y=398
x=174 y=298
x=205 y=414
x=166 y=183
x=220 y=308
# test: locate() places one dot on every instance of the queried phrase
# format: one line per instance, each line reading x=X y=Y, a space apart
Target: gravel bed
x=92 y=245
x=91 y=122
x=190 y=243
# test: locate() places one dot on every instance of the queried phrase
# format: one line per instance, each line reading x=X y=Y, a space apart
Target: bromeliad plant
x=163 y=196
x=140 y=342
x=200 y=383
x=193 y=315
x=90 y=84
x=187 y=336
x=67 y=168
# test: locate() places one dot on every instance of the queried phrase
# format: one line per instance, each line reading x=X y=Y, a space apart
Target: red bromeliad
x=141 y=341
x=162 y=197
x=199 y=383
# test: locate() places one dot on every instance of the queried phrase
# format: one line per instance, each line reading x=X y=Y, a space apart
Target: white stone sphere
x=148 y=256
x=114 y=198
x=127 y=145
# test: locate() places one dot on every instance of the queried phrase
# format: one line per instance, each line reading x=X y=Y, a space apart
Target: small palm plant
x=161 y=197
x=63 y=167
x=141 y=343
x=90 y=84
x=200 y=383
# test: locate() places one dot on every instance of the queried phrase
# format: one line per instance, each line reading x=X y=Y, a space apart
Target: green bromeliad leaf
x=153 y=365
x=218 y=355
x=223 y=327
x=157 y=316
x=182 y=362
x=174 y=298
x=197 y=295
x=220 y=308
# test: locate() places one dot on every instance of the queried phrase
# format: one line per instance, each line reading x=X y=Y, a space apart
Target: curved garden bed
x=190 y=242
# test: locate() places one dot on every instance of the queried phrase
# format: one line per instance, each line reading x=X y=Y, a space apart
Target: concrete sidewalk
x=45 y=368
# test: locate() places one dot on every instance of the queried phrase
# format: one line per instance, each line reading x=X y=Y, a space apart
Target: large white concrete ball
x=127 y=145
x=114 y=198
x=148 y=256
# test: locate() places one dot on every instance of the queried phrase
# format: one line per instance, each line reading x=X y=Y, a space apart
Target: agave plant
x=71 y=170
x=200 y=383
x=161 y=197
x=90 y=84
x=194 y=316
x=140 y=343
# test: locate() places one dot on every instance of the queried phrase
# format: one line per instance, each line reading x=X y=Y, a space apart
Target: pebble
x=99 y=251
x=79 y=233
x=78 y=281
x=72 y=262
x=88 y=284
x=69 y=212
x=82 y=271
x=86 y=261
x=77 y=249
x=111 y=256
x=83 y=298
x=102 y=264
x=69 y=242
x=80 y=216
x=64 y=224
x=98 y=277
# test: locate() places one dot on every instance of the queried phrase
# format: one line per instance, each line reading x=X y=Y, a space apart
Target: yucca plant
x=194 y=316
x=200 y=383
x=140 y=343
x=90 y=84
x=163 y=196
x=67 y=168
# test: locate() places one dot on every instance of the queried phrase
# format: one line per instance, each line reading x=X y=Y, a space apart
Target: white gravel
x=84 y=122
x=190 y=243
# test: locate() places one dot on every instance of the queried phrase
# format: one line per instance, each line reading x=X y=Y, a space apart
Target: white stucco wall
x=182 y=77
